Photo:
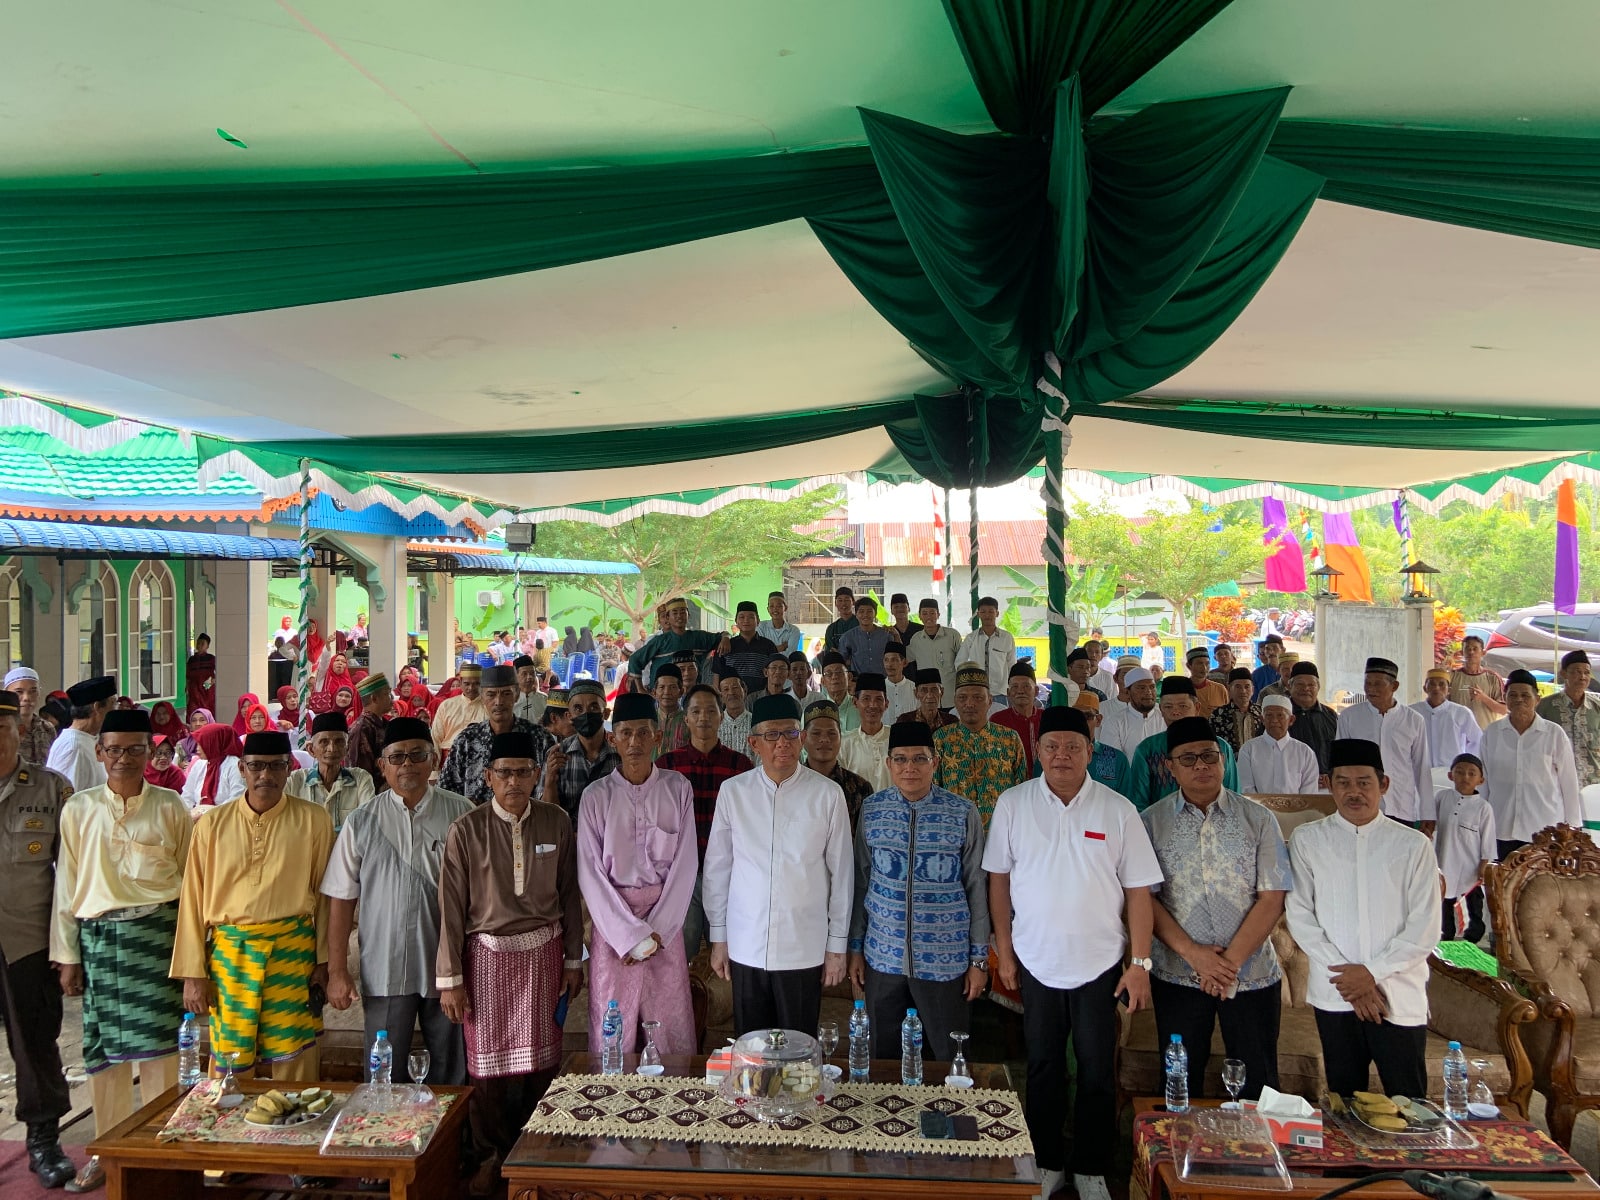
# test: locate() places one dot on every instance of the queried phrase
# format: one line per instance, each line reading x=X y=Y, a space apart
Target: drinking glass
x=1480 y=1101
x=1233 y=1076
x=958 y=1064
x=230 y=1083
x=828 y=1039
x=650 y=1058
x=417 y=1064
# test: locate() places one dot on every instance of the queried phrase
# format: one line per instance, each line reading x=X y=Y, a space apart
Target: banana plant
x=1092 y=595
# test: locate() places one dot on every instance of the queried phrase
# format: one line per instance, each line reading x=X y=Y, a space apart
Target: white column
x=240 y=639
x=388 y=611
x=323 y=608
x=442 y=629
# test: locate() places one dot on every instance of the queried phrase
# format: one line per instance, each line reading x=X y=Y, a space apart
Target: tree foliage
x=1176 y=555
x=682 y=556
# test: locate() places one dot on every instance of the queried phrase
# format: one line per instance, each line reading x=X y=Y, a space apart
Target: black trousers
x=1249 y=1030
x=500 y=1106
x=1504 y=848
x=1475 y=926
x=398 y=1015
x=1350 y=1046
x=30 y=993
x=1089 y=1015
x=942 y=1008
x=776 y=999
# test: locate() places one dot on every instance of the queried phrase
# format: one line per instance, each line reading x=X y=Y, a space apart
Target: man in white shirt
x=1104 y=673
x=72 y=754
x=734 y=731
x=899 y=689
x=1403 y=737
x=1530 y=777
x=866 y=750
x=1274 y=764
x=777 y=879
x=785 y=635
x=1365 y=910
x=991 y=646
x=1126 y=725
x=1452 y=729
x=935 y=647
x=1064 y=844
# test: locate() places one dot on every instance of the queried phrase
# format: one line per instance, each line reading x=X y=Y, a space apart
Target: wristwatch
x=981 y=964
x=1146 y=963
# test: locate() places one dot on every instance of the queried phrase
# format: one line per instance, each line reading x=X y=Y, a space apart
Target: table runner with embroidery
x=859 y=1116
x=1502 y=1146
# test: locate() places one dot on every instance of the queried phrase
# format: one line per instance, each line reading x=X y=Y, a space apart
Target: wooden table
x=1170 y=1186
x=138 y=1167
x=565 y=1167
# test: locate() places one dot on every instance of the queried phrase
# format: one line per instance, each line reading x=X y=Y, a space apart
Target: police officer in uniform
x=30 y=799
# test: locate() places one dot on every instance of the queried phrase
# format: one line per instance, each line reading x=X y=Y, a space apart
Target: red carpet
x=17 y=1182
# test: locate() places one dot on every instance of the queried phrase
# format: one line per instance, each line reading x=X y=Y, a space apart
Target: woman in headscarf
x=246 y=702
x=160 y=770
x=337 y=679
x=288 y=707
x=586 y=642
x=314 y=641
x=257 y=719
x=348 y=701
x=200 y=677
x=215 y=778
x=198 y=720
x=569 y=644
x=164 y=722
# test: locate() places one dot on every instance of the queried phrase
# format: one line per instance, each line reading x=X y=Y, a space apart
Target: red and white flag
x=938 y=537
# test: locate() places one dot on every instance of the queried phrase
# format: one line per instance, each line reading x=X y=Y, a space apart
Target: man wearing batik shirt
x=706 y=763
x=1577 y=710
x=1239 y=720
x=1149 y=774
x=35 y=732
x=366 y=735
x=585 y=756
x=118 y=872
x=919 y=930
x=510 y=943
x=977 y=760
x=1225 y=872
x=464 y=774
x=252 y=918
x=930 y=698
x=823 y=742
x=637 y=868
x=1021 y=713
x=675 y=639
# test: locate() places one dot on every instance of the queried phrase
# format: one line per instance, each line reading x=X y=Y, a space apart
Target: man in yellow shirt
x=253 y=883
x=457 y=712
x=118 y=871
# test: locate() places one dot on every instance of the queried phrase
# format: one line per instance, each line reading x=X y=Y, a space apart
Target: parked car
x=1527 y=638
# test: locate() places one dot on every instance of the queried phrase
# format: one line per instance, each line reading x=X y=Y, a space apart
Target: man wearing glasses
x=252 y=888
x=510 y=943
x=637 y=864
x=118 y=871
x=777 y=879
x=388 y=855
x=1225 y=874
x=465 y=770
x=919 y=933
x=1149 y=770
x=339 y=789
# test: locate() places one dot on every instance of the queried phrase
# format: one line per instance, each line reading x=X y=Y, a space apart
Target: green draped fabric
x=79 y=258
x=1001 y=437
x=1540 y=187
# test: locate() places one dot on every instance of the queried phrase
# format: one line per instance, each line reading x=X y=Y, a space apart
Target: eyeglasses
x=415 y=756
x=915 y=760
x=1206 y=758
x=125 y=751
x=262 y=768
x=773 y=737
x=508 y=774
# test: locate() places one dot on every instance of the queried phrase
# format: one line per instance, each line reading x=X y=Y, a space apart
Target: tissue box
x=719 y=1065
x=1293 y=1131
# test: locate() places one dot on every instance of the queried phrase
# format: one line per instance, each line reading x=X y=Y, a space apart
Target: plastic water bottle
x=1455 y=1082
x=860 y=1044
x=611 y=1040
x=911 y=1049
x=1177 y=1076
x=188 y=1052
x=380 y=1061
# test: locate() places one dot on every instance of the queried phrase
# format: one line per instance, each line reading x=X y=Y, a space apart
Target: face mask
x=588 y=724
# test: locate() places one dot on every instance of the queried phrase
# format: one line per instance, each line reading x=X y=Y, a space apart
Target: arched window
x=16 y=617
x=153 y=594
x=99 y=624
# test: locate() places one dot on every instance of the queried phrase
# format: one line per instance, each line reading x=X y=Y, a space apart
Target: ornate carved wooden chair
x=1544 y=901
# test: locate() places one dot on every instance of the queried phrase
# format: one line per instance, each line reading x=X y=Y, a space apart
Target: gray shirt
x=530 y=706
x=1214 y=865
x=388 y=856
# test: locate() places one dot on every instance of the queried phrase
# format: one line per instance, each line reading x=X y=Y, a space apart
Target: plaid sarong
x=263 y=975
x=131 y=1007
x=513 y=983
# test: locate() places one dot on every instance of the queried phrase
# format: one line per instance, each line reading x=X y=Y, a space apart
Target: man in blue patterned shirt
x=919 y=930
x=1226 y=873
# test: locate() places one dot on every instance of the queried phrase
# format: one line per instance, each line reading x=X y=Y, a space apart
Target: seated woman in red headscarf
x=257 y=719
x=338 y=676
x=246 y=702
x=288 y=708
x=215 y=777
x=200 y=677
x=165 y=722
x=160 y=771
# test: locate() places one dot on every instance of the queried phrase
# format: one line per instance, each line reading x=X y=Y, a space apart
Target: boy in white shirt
x=901 y=691
x=1465 y=843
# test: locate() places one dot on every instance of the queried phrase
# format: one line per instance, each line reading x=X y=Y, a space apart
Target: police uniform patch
x=34 y=823
x=22 y=775
x=35 y=847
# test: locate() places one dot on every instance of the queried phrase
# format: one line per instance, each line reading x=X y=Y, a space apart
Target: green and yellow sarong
x=131 y=1006
x=262 y=973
